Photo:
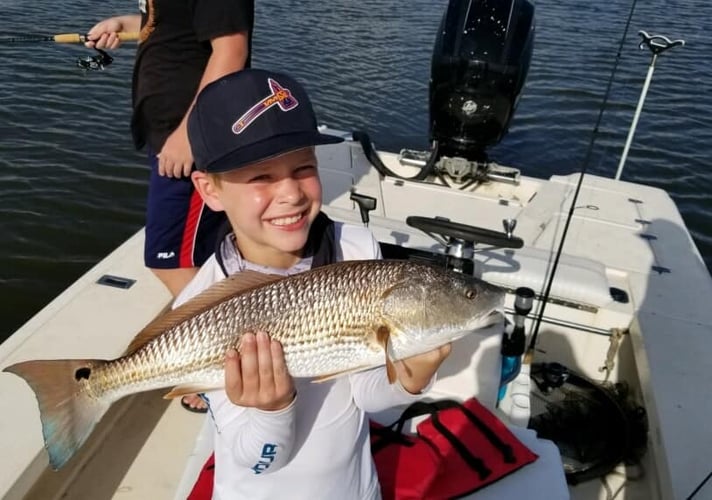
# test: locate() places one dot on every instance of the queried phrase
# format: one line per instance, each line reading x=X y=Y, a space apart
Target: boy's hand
x=104 y=34
x=257 y=376
x=414 y=373
x=176 y=157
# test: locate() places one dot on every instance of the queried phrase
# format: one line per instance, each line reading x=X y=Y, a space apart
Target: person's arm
x=373 y=392
x=258 y=427
x=417 y=372
x=262 y=441
x=229 y=55
x=257 y=419
x=103 y=35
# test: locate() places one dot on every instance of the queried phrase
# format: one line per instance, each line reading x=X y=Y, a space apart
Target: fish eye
x=471 y=294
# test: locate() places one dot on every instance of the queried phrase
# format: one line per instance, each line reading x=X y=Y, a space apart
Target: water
x=72 y=188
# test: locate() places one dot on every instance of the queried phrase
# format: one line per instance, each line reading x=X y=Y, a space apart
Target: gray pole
x=657 y=44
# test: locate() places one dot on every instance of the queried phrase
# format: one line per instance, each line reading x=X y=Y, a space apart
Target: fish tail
x=68 y=413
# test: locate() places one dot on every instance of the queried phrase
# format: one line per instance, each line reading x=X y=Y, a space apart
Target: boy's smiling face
x=270 y=205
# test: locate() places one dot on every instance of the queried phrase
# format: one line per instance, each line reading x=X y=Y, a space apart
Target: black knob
x=365 y=205
x=523 y=300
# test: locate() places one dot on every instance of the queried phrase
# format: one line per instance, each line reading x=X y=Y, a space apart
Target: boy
x=184 y=44
x=253 y=135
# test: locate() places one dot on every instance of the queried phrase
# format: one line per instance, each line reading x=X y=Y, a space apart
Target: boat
x=602 y=277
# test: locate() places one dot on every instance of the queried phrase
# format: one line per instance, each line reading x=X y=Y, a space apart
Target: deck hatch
x=116 y=281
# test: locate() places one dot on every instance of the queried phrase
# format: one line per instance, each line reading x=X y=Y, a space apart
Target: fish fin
x=67 y=412
x=330 y=376
x=221 y=291
x=182 y=390
x=391 y=371
x=383 y=336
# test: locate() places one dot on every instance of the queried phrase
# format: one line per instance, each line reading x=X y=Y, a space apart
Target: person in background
x=183 y=46
x=253 y=134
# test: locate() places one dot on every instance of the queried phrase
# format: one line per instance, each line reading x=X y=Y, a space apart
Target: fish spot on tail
x=82 y=373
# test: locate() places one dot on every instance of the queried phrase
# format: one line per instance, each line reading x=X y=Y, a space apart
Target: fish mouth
x=492 y=318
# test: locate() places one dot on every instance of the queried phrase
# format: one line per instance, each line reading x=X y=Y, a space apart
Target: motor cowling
x=480 y=63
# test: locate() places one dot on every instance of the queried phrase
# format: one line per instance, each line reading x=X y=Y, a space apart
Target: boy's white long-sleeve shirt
x=318 y=447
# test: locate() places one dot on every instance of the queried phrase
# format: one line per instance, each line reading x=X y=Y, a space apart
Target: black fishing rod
x=657 y=45
x=96 y=62
x=529 y=355
x=65 y=38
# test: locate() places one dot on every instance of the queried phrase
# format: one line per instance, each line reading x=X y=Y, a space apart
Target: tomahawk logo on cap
x=280 y=96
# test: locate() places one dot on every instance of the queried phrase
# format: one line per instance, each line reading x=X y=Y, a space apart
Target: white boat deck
x=93 y=321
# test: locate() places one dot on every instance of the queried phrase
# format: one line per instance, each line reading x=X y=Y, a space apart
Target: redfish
x=332 y=320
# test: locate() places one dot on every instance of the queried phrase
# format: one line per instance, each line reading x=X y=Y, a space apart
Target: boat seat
x=578 y=279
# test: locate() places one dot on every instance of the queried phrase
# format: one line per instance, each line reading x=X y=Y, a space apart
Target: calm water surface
x=72 y=188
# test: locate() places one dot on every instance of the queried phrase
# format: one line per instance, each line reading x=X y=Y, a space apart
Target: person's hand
x=176 y=157
x=104 y=35
x=257 y=376
x=414 y=373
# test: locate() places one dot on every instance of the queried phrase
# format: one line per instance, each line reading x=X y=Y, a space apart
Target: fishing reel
x=96 y=62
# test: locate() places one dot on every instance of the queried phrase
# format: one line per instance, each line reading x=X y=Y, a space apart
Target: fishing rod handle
x=77 y=38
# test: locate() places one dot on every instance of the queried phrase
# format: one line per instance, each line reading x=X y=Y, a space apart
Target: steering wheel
x=464 y=232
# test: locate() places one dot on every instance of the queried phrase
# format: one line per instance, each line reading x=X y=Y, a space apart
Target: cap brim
x=270 y=148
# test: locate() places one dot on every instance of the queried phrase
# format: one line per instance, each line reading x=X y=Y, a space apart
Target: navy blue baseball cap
x=249 y=116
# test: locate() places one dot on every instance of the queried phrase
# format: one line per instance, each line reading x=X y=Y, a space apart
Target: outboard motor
x=480 y=62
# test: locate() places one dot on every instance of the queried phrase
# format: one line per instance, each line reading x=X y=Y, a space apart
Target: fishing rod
x=657 y=45
x=66 y=38
x=98 y=61
x=521 y=382
x=529 y=355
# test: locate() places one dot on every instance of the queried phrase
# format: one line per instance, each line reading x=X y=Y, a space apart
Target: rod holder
x=657 y=45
